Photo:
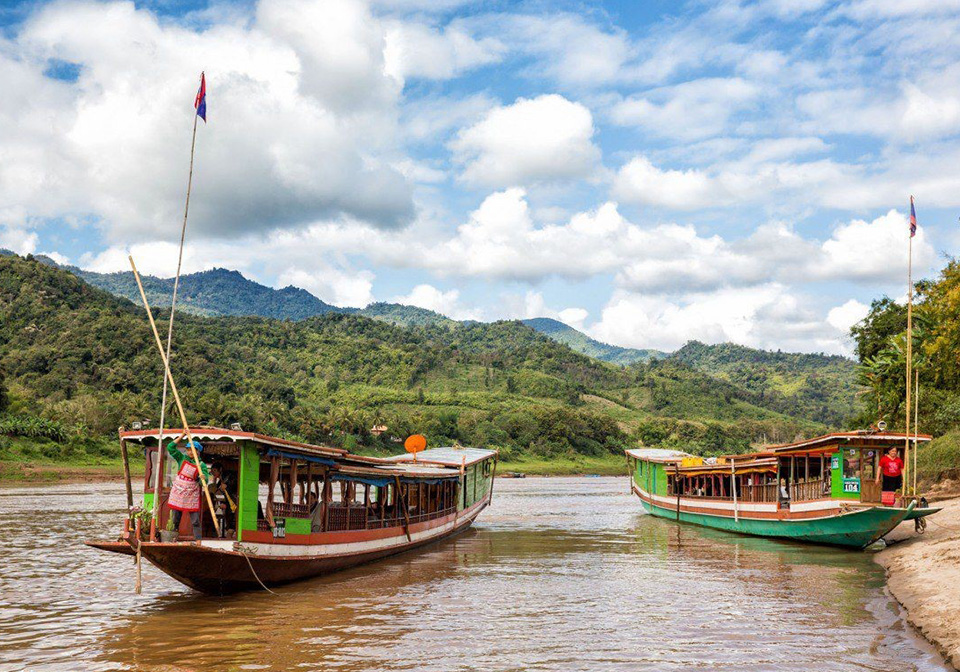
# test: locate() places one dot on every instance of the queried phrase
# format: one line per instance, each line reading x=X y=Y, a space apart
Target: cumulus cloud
x=420 y=50
x=764 y=316
x=502 y=240
x=705 y=106
x=802 y=184
x=846 y=315
x=299 y=123
x=534 y=140
x=443 y=302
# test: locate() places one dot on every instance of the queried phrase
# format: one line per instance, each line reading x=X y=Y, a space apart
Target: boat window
x=851 y=463
x=869 y=462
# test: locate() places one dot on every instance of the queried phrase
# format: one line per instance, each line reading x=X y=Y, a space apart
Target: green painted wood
x=248 y=489
x=297 y=525
x=857 y=529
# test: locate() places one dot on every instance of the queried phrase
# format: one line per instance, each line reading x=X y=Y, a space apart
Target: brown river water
x=558 y=574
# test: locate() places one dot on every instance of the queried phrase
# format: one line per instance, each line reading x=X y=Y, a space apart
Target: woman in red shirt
x=891 y=469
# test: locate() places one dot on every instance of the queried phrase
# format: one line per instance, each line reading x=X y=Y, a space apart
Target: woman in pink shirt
x=891 y=469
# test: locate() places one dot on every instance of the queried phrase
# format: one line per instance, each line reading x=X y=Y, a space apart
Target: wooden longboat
x=832 y=497
x=368 y=508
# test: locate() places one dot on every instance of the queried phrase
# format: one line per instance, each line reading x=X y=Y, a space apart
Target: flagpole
x=916 y=427
x=906 y=454
x=173 y=304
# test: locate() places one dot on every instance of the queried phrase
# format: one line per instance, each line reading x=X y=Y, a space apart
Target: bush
x=32 y=427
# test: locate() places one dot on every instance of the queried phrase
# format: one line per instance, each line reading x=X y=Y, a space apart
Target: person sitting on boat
x=316 y=513
x=185 y=493
x=891 y=470
x=784 y=493
x=223 y=487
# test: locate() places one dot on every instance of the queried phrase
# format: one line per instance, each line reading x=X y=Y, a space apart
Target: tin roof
x=863 y=436
x=657 y=454
x=221 y=434
x=451 y=456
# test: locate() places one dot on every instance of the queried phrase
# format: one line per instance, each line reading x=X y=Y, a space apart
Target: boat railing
x=761 y=492
x=805 y=490
x=342 y=518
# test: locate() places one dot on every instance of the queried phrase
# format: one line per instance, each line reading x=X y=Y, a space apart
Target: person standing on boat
x=891 y=469
x=185 y=493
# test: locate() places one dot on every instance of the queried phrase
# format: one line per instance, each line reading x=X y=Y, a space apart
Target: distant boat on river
x=366 y=508
x=830 y=494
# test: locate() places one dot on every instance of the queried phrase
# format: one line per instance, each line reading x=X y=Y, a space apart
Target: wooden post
x=293 y=480
x=126 y=474
x=733 y=489
x=406 y=513
x=676 y=478
x=176 y=397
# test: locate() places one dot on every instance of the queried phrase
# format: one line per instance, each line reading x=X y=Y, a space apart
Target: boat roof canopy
x=657 y=454
x=450 y=456
x=435 y=462
x=868 y=438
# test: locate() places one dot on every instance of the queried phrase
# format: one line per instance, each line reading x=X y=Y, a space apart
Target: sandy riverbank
x=923 y=574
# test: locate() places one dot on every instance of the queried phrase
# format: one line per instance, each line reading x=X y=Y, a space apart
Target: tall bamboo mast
x=916 y=427
x=906 y=452
x=155 y=521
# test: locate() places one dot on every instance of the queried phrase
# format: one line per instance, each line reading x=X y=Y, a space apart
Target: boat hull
x=220 y=567
x=854 y=529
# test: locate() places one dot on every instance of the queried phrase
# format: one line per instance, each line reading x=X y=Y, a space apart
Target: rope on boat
x=253 y=571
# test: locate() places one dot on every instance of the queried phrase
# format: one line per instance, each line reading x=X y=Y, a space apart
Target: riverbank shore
x=14 y=473
x=923 y=575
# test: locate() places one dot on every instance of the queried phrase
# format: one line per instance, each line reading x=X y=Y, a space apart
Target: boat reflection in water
x=559 y=574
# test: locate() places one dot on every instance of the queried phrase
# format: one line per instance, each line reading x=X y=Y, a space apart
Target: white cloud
x=443 y=302
x=574 y=317
x=18 y=240
x=846 y=315
x=639 y=181
x=419 y=50
x=874 y=251
x=341 y=288
x=765 y=316
x=704 y=105
x=534 y=140
x=304 y=80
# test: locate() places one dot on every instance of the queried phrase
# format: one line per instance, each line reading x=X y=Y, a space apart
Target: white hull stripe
x=303 y=551
x=671 y=503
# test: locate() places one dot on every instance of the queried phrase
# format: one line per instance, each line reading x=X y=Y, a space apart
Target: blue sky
x=649 y=172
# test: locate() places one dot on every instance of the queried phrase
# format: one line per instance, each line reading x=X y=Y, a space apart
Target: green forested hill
x=214 y=292
x=819 y=387
x=84 y=360
x=580 y=342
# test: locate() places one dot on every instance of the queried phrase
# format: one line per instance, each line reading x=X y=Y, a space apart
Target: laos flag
x=201 y=102
x=913 y=217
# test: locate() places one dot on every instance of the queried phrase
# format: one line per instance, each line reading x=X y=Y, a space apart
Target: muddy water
x=559 y=574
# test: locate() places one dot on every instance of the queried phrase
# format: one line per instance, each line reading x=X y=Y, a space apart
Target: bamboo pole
x=916 y=428
x=173 y=306
x=906 y=454
x=176 y=397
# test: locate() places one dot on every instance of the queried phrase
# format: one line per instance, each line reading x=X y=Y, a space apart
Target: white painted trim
x=303 y=551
